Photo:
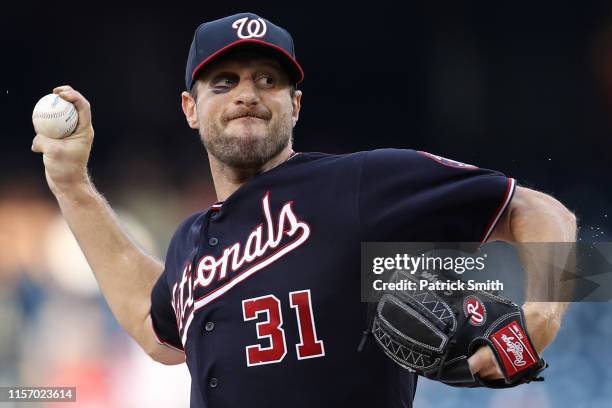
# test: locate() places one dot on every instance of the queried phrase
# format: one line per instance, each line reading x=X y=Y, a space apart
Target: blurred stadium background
x=524 y=89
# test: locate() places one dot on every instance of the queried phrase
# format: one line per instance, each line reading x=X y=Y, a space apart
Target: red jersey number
x=271 y=328
x=310 y=346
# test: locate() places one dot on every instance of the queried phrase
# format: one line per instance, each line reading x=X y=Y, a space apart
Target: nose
x=246 y=93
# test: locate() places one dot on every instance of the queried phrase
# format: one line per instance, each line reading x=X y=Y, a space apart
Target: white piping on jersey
x=210 y=269
x=501 y=209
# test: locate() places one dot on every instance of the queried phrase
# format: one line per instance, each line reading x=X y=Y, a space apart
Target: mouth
x=248 y=117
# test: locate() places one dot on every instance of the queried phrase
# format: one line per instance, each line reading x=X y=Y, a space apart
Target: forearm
x=125 y=273
x=537 y=217
x=543 y=231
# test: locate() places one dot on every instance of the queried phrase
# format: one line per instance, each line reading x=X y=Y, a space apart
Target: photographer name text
x=438 y=285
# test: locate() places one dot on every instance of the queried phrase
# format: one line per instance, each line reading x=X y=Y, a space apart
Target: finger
x=44 y=144
x=80 y=103
x=491 y=372
x=497 y=372
x=491 y=376
x=62 y=88
x=483 y=363
x=477 y=361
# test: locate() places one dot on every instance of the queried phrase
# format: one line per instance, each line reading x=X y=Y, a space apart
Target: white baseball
x=54 y=117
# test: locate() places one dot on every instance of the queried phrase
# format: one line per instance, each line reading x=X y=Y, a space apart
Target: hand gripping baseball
x=66 y=159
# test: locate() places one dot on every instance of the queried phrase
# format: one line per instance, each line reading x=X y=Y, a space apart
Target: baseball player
x=260 y=292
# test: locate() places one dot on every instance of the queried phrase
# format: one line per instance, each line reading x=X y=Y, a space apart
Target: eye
x=224 y=82
x=266 y=81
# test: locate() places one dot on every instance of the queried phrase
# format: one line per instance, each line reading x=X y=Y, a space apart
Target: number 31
x=272 y=328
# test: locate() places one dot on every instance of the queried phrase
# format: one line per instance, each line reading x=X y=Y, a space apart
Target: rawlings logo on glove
x=516 y=353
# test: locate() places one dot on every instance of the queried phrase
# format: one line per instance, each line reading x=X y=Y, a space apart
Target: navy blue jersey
x=262 y=291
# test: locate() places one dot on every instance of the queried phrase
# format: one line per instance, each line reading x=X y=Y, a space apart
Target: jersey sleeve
x=412 y=196
x=162 y=315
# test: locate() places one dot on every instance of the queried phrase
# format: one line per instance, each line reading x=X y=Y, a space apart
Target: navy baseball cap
x=215 y=38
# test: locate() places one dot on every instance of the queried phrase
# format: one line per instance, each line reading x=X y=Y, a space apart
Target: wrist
x=543 y=321
x=75 y=192
x=546 y=310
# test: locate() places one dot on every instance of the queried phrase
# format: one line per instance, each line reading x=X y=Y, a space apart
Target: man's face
x=244 y=110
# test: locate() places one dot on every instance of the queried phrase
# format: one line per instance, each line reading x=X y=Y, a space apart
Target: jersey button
x=210 y=326
x=213 y=382
x=213 y=241
x=214 y=214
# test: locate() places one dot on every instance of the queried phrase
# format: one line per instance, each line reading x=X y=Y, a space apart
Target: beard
x=248 y=150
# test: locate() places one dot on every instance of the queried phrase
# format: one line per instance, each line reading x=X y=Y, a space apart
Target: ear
x=190 y=109
x=296 y=101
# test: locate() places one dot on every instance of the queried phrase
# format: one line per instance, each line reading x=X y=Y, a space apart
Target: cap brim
x=295 y=71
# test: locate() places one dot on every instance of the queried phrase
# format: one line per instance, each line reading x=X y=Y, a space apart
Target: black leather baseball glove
x=433 y=333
